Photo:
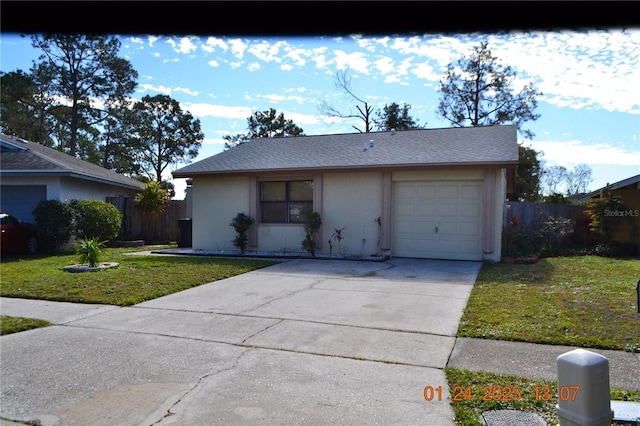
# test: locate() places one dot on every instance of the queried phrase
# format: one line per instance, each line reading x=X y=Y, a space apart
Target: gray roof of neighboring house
x=491 y=145
x=24 y=158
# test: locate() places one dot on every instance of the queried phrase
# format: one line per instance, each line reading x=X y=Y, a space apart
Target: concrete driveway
x=301 y=342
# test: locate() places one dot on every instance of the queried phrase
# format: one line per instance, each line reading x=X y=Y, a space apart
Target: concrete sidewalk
x=301 y=342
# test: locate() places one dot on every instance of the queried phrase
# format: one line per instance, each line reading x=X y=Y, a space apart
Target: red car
x=17 y=236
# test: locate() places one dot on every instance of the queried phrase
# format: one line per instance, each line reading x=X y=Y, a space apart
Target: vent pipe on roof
x=393 y=132
x=371 y=144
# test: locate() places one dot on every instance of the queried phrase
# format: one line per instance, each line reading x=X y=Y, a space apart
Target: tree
x=83 y=70
x=394 y=117
x=151 y=201
x=265 y=124
x=23 y=107
x=115 y=151
x=365 y=111
x=478 y=92
x=553 y=177
x=578 y=180
x=163 y=134
x=528 y=174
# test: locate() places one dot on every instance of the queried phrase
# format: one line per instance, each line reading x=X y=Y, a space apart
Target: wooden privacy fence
x=527 y=213
x=160 y=229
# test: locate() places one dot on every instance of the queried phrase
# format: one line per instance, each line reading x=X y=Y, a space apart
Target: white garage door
x=438 y=220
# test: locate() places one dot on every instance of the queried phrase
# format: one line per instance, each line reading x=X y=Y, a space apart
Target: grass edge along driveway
x=138 y=278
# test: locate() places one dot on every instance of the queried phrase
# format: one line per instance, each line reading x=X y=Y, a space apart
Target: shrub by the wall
x=55 y=223
x=96 y=219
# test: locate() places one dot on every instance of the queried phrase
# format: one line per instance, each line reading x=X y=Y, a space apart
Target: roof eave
x=381 y=167
x=71 y=174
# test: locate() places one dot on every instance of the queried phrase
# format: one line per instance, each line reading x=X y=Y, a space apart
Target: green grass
x=586 y=301
x=479 y=399
x=137 y=279
x=10 y=325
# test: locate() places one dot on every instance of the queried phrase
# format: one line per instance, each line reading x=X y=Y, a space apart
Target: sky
x=590 y=80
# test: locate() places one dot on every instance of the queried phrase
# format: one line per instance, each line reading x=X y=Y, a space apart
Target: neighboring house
x=436 y=193
x=629 y=192
x=30 y=173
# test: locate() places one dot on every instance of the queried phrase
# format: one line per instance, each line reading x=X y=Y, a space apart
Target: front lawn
x=10 y=325
x=137 y=279
x=586 y=301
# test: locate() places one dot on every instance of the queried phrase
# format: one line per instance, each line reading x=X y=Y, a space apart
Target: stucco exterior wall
x=75 y=189
x=216 y=201
x=352 y=201
x=67 y=189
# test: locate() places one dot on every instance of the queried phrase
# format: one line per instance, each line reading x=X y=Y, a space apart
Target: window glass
x=273 y=191
x=298 y=211
x=273 y=213
x=285 y=202
x=301 y=190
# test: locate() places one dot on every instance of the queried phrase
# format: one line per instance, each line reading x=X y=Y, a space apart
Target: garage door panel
x=447 y=210
x=406 y=192
x=470 y=210
x=453 y=208
x=426 y=227
x=405 y=209
x=426 y=209
x=426 y=192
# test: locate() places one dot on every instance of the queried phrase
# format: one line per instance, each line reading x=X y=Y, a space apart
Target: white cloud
x=254 y=66
x=187 y=45
x=213 y=63
x=574 y=152
x=385 y=65
x=212 y=43
x=267 y=52
x=286 y=67
x=356 y=61
x=297 y=56
x=187 y=91
x=220 y=111
x=238 y=47
x=151 y=88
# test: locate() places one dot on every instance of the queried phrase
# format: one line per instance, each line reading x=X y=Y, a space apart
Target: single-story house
x=435 y=193
x=31 y=172
x=628 y=190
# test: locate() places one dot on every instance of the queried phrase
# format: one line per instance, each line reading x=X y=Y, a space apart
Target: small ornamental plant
x=338 y=236
x=241 y=223
x=311 y=226
x=90 y=251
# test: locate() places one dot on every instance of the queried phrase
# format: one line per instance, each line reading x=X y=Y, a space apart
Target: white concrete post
x=583 y=389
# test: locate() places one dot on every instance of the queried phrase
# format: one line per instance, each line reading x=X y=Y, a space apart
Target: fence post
x=583 y=389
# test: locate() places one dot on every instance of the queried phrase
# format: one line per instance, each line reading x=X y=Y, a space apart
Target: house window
x=285 y=202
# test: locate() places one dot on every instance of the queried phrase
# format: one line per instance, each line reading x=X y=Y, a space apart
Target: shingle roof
x=494 y=145
x=633 y=180
x=24 y=158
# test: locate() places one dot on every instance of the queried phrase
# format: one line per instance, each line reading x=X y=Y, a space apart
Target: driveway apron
x=300 y=342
